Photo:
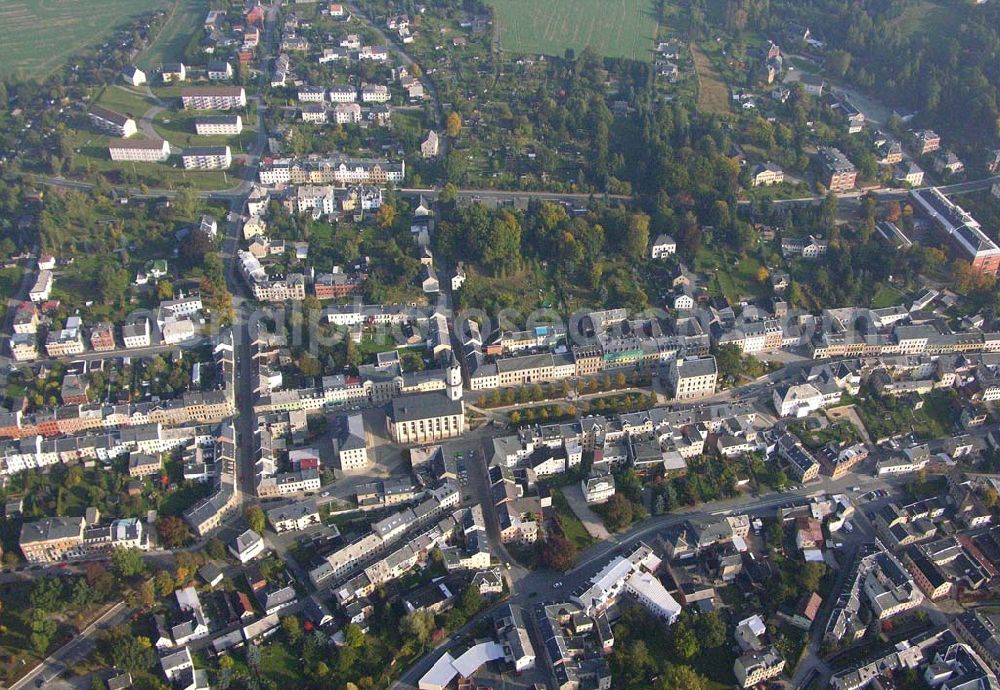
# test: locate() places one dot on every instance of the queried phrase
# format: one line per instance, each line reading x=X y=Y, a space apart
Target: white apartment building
x=207 y=158
x=137 y=334
x=139 y=150
x=692 y=378
x=114 y=123
x=218 y=125
x=213 y=97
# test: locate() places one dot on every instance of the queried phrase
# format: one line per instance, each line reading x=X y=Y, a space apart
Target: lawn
x=39 y=35
x=927 y=17
x=713 y=94
x=614 y=28
x=178 y=129
x=572 y=528
x=184 y=22
x=887 y=296
x=124 y=100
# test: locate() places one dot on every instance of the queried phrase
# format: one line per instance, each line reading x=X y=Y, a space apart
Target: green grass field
x=614 y=28
x=185 y=19
x=39 y=35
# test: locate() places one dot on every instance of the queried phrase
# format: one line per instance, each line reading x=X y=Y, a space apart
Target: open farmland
x=614 y=28
x=39 y=35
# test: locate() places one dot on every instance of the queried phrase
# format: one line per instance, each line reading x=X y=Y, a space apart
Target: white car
x=557 y=585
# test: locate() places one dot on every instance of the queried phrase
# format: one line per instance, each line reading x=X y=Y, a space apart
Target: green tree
x=472 y=600
x=680 y=677
x=418 y=625
x=292 y=627
x=810 y=575
x=683 y=641
x=711 y=629
x=618 y=513
x=215 y=549
x=637 y=236
x=127 y=563
x=124 y=650
x=255 y=518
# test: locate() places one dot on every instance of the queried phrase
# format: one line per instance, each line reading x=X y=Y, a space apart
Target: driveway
x=591 y=520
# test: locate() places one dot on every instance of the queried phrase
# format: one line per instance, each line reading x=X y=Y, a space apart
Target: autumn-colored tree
x=893 y=212
x=454 y=124
x=173 y=532
x=559 y=552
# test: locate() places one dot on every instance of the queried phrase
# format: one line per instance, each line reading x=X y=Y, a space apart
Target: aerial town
x=475 y=345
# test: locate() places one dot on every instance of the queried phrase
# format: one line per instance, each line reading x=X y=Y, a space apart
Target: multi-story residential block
x=375 y=93
x=839 y=172
x=295 y=516
x=207 y=158
x=218 y=125
x=335 y=285
x=352 y=444
x=599 y=487
x=430 y=146
x=754 y=668
x=346 y=113
x=663 y=246
x=213 y=97
x=342 y=93
x=25 y=318
x=691 y=378
x=102 y=337
x=247 y=546
x=173 y=71
x=139 y=150
x=219 y=71
x=318 y=170
x=765 y=174
x=23 y=347
x=137 y=334
x=49 y=540
x=314 y=113
x=114 y=123
x=924 y=141
x=311 y=94
x=958 y=226
x=799 y=461
x=63 y=342
x=42 y=287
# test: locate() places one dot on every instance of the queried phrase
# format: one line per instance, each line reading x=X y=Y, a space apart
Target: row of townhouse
x=270 y=288
x=54 y=539
x=208 y=514
x=587 y=360
x=329 y=200
x=344 y=93
x=173 y=320
x=903 y=340
x=35 y=452
x=268 y=481
x=330 y=170
x=191 y=407
x=386 y=533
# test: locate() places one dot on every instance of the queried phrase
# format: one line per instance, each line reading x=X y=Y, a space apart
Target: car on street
x=557 y=585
